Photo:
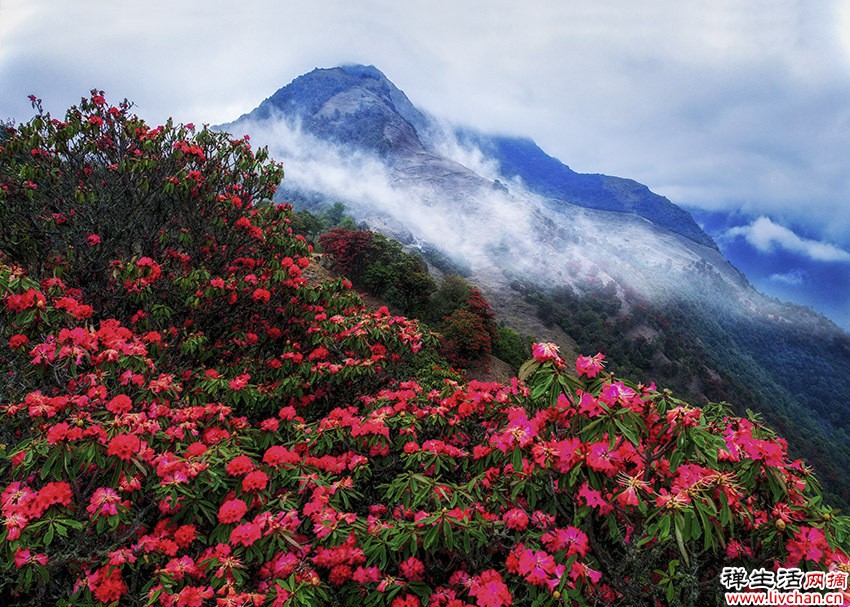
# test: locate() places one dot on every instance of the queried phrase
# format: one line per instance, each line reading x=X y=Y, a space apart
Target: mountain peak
x=358 y=70
x=353 y=104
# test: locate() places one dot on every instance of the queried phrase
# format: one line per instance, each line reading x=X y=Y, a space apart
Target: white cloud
x=794 y=278
x=767 y=236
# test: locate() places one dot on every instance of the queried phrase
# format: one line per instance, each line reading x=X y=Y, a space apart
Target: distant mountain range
x=600 y=259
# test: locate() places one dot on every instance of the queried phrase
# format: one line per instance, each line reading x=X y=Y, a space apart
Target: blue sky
x=736 y=110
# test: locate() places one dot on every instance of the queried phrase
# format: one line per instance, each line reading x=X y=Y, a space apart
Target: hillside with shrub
x=189 y=420
x=706 y=354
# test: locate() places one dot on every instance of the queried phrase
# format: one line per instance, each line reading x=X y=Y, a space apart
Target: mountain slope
x=547 y=176
x=577 y=248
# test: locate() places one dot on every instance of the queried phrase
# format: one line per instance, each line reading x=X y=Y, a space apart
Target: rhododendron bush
x=189 y=420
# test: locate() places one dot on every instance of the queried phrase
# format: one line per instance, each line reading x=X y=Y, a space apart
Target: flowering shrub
x=220 y=431
x=469 y=332
x=466 y=339
x=381 y=267
x=350 y=250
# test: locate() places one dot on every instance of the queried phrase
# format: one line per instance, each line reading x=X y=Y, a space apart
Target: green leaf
x=527 y=369
x=48 y=536
x=541 y=388
x=680 y=540
x=627 y=431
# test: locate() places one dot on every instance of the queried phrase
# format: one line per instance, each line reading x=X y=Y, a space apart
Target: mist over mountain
x=348 y=133
x=615 y=266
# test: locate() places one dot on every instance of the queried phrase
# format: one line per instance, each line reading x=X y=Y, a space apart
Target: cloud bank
x=767 y=236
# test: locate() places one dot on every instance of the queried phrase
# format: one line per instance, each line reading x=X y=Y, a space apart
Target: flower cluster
x=203 y=425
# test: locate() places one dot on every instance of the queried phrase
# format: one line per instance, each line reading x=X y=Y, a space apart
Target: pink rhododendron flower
x=104 y=502
x=590 y=365
x=808 y=544
x=490 y=590
x=543 y=352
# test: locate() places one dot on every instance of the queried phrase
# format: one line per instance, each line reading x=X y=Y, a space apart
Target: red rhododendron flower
x=30 y=299
x=106 y=584
x=154 y=271
x=57 y=492
x=407 y=600
x=412 y=569
x=196 y=449
x=185 y=535
x=193 y=596
x=239 y=465
x=516 y=519
x=232 y=511
x=245 y=534
x=363 y=575
x=124 y=446
x=23 y=556
x=239 y=382
x=270 y=424
x=92 y=240
x=278 y=455
x=18 y=341
x=119 y=404
x=104 y=502
x=262 y=295
x=255 y=481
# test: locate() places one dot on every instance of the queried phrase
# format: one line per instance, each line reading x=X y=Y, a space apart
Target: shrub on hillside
x=469 y=331
x=381 y=267
x=511 y=347
x=466 y=341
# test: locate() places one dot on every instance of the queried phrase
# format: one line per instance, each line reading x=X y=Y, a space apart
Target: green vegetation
x=706 y=355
